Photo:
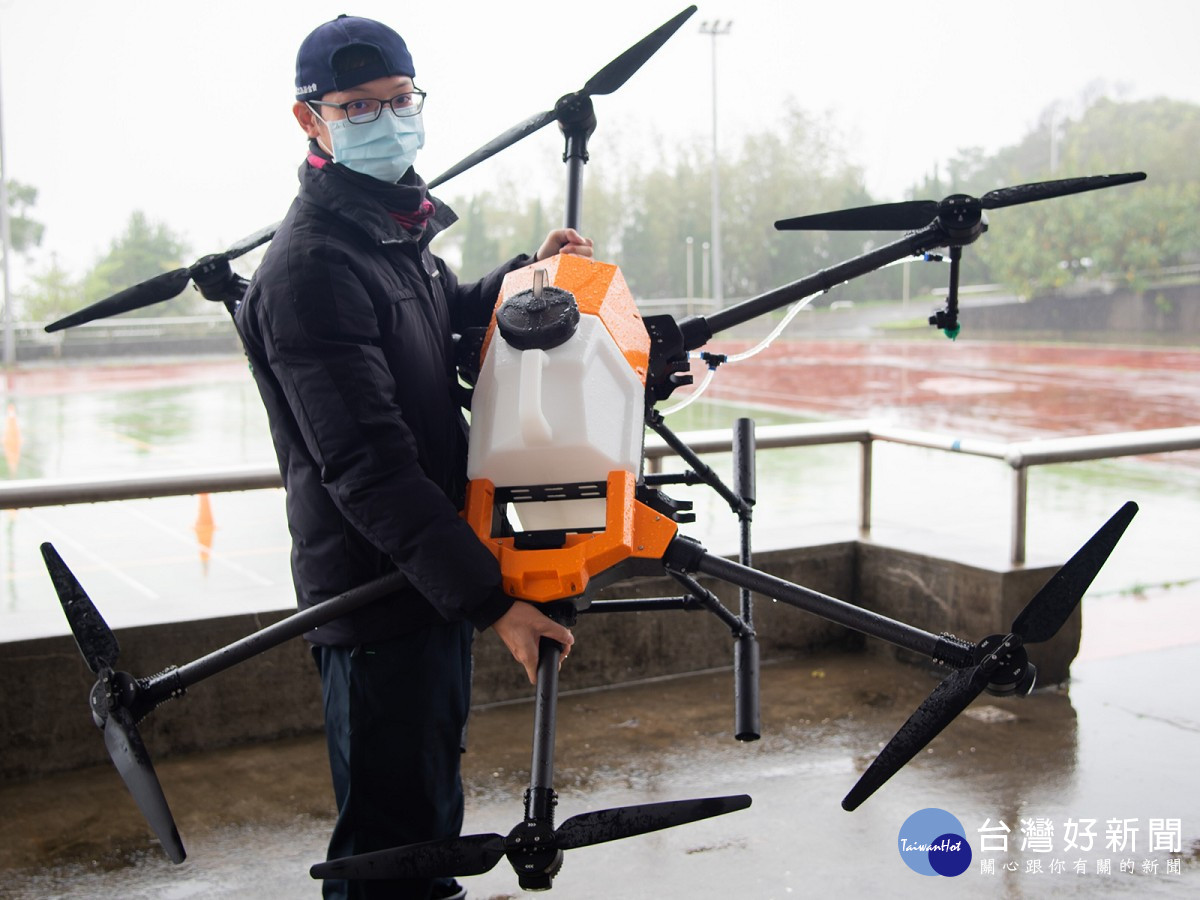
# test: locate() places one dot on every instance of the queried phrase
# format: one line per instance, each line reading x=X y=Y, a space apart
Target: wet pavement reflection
x=1118 y=744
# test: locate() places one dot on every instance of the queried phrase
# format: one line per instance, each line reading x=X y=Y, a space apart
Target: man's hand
x=522 y=627
x=565 y=240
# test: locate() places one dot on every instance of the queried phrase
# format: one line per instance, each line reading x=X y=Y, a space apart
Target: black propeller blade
x=953 y=695
x=1001 y=659
x=904 y=216
x=471 y=854
x=161 y=287
x=477 y=853
x=110 y=700
x=603 y=825
x=613 y=76
x=154 y=290
x=1050 y=608
x=607 y=80
x=94 y=638
x=910 y=215
x=129 y=755
x=1045 y=190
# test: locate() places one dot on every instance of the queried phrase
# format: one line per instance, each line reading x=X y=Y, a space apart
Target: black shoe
x=448 y=890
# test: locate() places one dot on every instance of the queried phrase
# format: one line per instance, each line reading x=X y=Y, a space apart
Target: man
x=348 y=325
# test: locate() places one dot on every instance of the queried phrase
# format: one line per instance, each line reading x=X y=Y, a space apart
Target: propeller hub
x=1007 y=666
x=111 y=690
x=961 y=216
x=210 y=269
x=570 y=105
x=575 y=114
x=102 y=699
x=534 y=854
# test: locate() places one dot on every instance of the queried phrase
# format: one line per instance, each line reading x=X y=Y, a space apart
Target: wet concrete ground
x=1118 y=744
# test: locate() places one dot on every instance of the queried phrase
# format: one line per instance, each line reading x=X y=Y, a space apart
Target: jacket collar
x=366 y=203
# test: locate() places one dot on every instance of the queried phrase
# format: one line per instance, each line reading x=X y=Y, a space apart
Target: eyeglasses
x=368 y=109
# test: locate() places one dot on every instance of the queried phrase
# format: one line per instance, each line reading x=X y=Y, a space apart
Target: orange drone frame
x=631 y=529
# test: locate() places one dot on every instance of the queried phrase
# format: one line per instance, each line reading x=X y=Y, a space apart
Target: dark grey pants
x=394 y=718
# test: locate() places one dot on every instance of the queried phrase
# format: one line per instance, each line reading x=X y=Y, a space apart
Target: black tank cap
x=529 y=322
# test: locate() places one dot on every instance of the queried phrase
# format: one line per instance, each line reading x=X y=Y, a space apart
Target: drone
x=566 y=380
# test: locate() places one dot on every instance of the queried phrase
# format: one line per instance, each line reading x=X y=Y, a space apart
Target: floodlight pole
x=715 y=29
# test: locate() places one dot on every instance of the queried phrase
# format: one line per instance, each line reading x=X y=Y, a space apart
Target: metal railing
x=1020 y=457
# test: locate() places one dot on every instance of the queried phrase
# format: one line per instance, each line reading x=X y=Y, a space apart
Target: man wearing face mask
x=348 y=325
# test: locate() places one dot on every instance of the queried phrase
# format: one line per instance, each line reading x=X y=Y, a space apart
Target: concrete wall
x=939 y=595
x=1172 y=310
x=45 y=725
x=221 y=340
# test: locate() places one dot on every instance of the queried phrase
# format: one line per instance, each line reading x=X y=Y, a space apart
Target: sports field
x=189 y=557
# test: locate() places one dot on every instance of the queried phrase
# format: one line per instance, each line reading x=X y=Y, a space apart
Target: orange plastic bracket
x=631 y=530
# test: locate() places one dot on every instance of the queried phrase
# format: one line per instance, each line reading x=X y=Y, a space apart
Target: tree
x=795 y=169
x=641 y=213
x=497 y=224
x=642 y=217
x=479 y=250
x=52 y=294
x=143 y=250
x=24 y=232
x=1121 y=233
x=662 y=207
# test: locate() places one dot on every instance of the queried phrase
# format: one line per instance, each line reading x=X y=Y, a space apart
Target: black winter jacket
x=348 y=325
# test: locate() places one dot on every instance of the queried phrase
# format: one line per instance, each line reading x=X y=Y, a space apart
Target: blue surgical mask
x=383 y=149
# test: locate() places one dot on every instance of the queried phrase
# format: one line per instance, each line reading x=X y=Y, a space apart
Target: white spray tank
x=559 y=402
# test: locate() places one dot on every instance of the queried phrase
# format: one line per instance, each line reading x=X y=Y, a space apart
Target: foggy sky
x=182 y=110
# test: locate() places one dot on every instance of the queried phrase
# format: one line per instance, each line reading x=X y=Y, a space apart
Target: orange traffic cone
x=204 y=529
x=12 y=440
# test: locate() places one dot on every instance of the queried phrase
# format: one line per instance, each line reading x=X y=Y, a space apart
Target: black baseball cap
x=317 y=73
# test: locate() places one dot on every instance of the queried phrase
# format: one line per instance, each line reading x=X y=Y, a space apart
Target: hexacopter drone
x=567 y=376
